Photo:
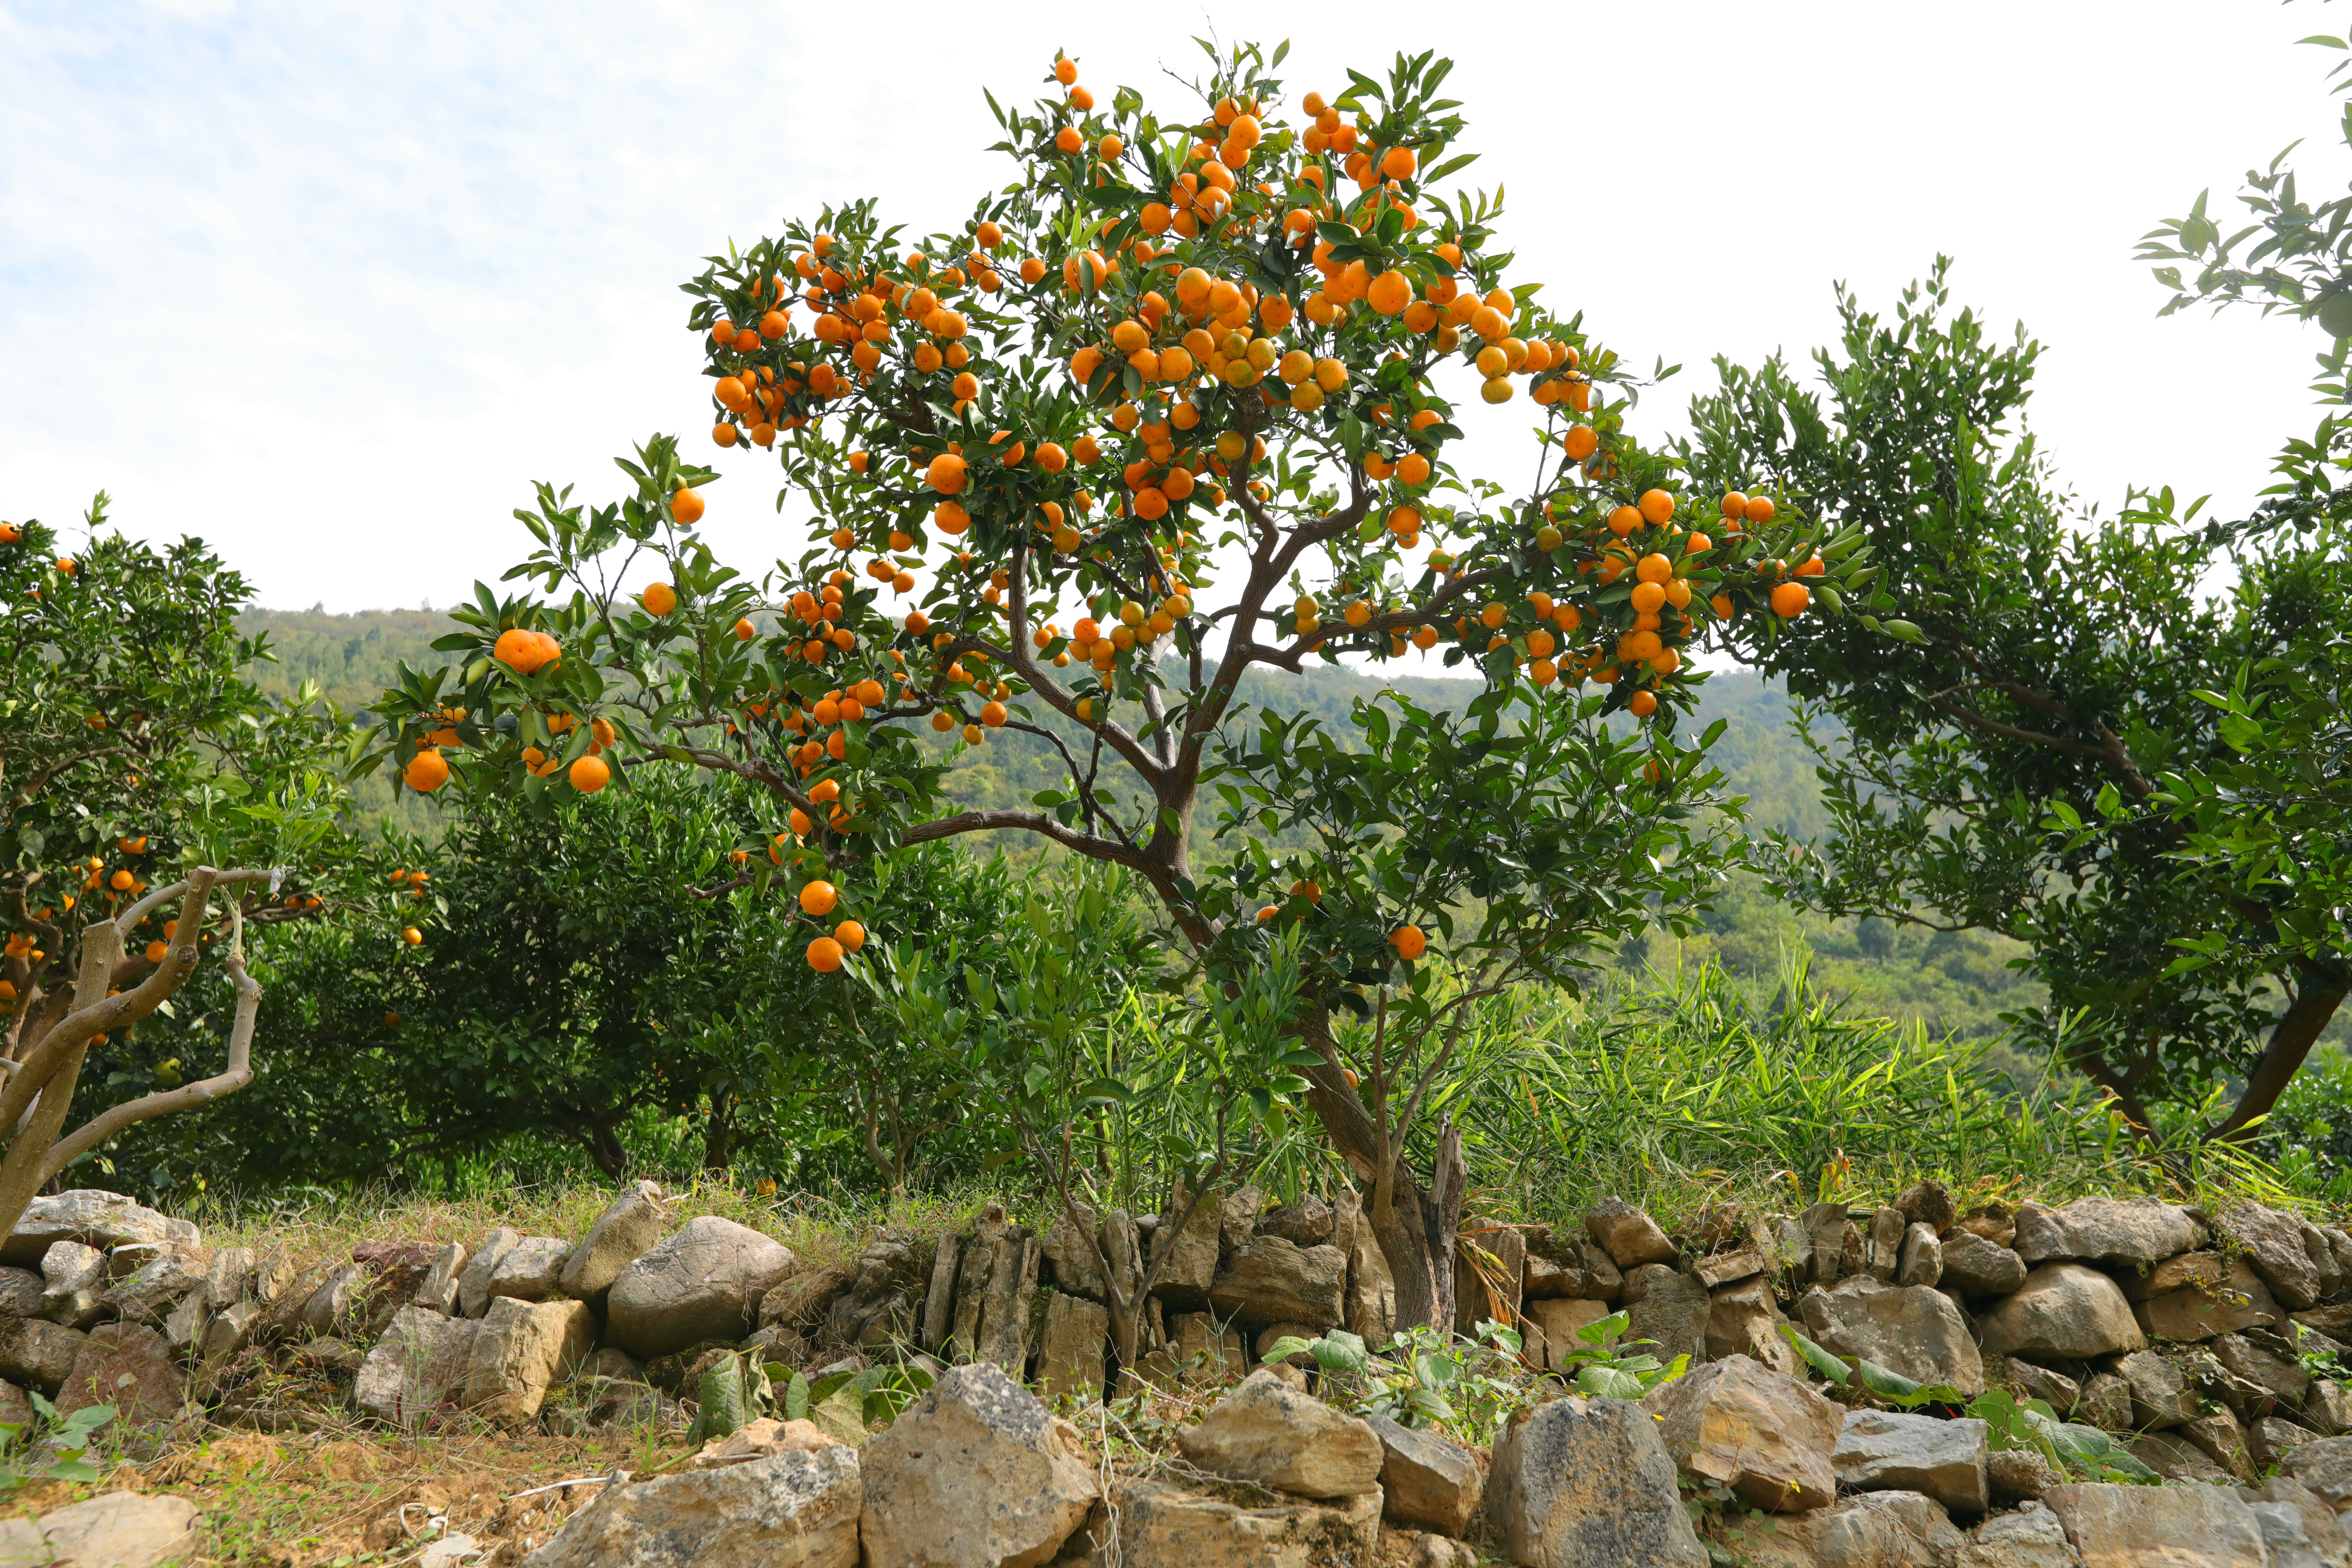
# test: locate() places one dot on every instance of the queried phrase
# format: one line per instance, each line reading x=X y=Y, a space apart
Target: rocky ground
x=629 y=1396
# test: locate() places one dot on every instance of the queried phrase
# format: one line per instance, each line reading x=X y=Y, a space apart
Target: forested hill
x=1956 y=983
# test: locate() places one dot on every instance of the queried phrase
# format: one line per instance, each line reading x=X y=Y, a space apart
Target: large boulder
x=1270 y=1280
x=1629 y=1236
x=1668 y=1308
x=1429 y=1482
x=1909 y=1330
x=2200 y=1295
x=2132 y=1232
x=1766 y=1437
x=797 y=1509
x=627 y=1228
x=1890 y=1450
x=1587 y=1483
x=1162 y=1526
x=2063 y=1310
x=2272 y=1243
x=976 y=1474
x=1268 y=1432
x=103 y=1220
x=2186 y=1523
x=420 y=1364
x=131 y=1367
x=521 y=1348
x=702 y=1282
x=1975 y=1267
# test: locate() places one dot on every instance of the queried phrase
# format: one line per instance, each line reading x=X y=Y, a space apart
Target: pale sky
x=331 y=286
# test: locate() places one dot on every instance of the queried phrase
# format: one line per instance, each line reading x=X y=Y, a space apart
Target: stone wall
x=2206 y=1340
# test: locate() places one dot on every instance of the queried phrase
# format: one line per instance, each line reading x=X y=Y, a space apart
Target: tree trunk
x=2321 y=992
x=1415 y=1226
x=718 y=1135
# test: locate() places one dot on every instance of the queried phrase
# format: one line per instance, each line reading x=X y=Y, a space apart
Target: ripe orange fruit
x=1789 y=599
x=427 y=771
x=993 y=714
x=851 y=935
x=745 y=631
x=412 y=936
x=1388 y=293
x=1760 y=509
x=660 y=598
x=1580 y=442
x=1411 y=941
x=525 y=652
x=1645 y=703
x=1654 y=567
x=157 y=951
x=819 y=898
x=685 y=506
x=825 y=955
x=1065 y=71
x=946 y=474
x=589 y=775
x=1657 y=506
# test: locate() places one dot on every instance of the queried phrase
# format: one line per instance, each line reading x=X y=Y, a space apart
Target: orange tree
x=135 y=758
x=1181 y=400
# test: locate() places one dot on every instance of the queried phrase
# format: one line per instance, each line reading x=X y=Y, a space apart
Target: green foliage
x=50 y=1446
x=1998 y=765
x=1611 y=1370
x=1424 y=1377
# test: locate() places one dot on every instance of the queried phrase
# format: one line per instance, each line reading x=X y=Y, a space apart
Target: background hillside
x=1954 y=983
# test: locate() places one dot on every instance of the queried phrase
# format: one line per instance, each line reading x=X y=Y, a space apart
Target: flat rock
x=150 y=1293
x=1911 y=1330
x=1766 y=1436
x=20 y=1292
x=1270 y=1280
x=437 y=1291
x=1268 y=1432
x=1922 y=1262
x=38 y=1353
x=1889 y=1450
x=1629 y=1236
x=2223 y=1442
x=2272 y=1243
x=1975 y=1267
x=701 y=1282
x=1162 y=1526
x=1070 y=1248
x=103 y=1220
x=975 y=1474
x=797 y=1509
x=417 y=1366
x=1587 y=1483
x=1721 y=1268
x=2131 y=1232
x=121 y=1529
x=1184 y=1278
x=2062 y=1310
x=2175 y=1458
x=2185 y=1525
x=629 y=1226
x=1562 y=1264
x=1427 y=1481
